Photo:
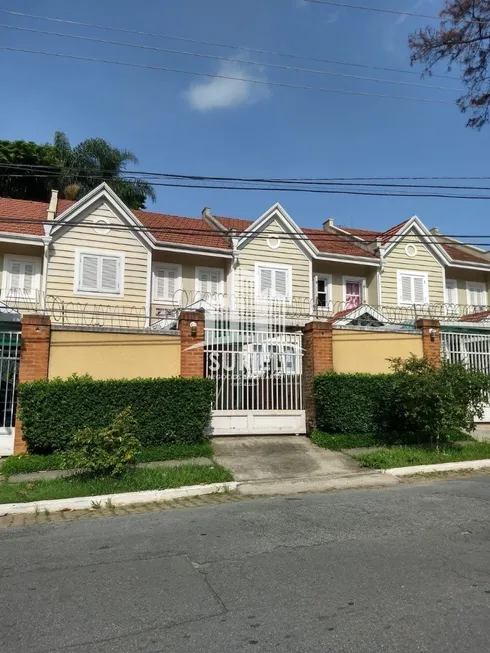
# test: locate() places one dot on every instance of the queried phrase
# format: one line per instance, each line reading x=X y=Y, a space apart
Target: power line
x=291 y=235
x=229 y=59
x=219 y=76
x=380 y=10
x=151 y=176
x=337 y=62
x=284 y=179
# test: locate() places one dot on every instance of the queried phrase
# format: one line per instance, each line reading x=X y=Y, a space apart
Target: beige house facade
x=96 y=262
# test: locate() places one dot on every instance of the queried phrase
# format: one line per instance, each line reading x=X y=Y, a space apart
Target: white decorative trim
x=161 y=265
x=274 y=242
x=355 y=313
x=410 y=250
x=328 y=279
x=429 y=240
x=149 y=281
x=79 y=251
x=36 y=285
x=101 y=231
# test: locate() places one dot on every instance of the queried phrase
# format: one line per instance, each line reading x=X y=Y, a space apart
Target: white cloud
x=225 y=91
x=332 y=17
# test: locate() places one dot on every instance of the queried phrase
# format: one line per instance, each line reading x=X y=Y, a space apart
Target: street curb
x=437 y=467
x=121 y=499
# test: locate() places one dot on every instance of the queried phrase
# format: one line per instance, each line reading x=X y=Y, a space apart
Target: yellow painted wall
x=368 y=351
x=424 y=261
x=61 y=268
x=340 y=270
x=113 y=355
x=257 y=250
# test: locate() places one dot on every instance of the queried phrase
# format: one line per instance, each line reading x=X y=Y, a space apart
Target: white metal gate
x=470 y=349
x=257 y=365
x=9 y=372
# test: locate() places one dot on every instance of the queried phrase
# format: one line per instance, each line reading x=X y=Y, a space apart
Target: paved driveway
x=279 y=457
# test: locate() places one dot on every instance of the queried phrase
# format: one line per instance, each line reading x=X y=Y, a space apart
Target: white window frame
x=483 y=289
x=328 y=284
x=203 y=268
x=178 y=281
x=348 y=279
x=79 y=252
x=413 y=273
x=6 y=275
x=274 y=266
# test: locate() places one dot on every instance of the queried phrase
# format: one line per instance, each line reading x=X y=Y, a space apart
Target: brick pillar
x=34 y=360
x=317 y=358
x=191 y=327
x=431 y=339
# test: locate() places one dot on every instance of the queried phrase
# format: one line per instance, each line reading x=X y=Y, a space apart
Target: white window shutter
x=109 y=275
x=89 y=272
x=281 y=283
x=418 y=290
x=15 y=276
x=406 y=288
x=28 y=285
x=160 y=283
x=171 y=283
x=265 y=281
x=204 y=282
x=214 y=280
x=451 y=292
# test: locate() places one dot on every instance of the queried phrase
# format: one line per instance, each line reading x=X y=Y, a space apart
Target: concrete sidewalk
x=288 y=464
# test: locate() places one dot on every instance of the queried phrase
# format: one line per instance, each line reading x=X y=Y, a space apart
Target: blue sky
x=196 y=125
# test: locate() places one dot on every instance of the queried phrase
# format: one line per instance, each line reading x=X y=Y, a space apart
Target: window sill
x=87 y=293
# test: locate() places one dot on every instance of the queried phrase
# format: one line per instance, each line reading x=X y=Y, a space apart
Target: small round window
x=273 y=242
x=411 y=250
x=101 y=227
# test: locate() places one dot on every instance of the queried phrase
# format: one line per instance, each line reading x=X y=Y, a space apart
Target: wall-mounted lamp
x=432 y=333
x=193 y=326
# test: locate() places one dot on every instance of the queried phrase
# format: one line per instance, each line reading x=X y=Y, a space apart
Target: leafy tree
x=74 y=171
x=20 y=176
x=94 y=160
x=462 y=40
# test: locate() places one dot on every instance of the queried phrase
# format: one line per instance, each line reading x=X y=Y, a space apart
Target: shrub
x=417 y=403
x=431 y=404
x=352 y=403
x=105 y=451
x=167 y=411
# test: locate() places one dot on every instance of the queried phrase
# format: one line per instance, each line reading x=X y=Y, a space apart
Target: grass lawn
x=27 y=463
x=344 y=441
x=405 y=456
x=133 y=481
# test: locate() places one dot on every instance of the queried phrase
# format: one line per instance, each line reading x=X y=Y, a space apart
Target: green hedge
x=352 y=403
x=167 y=410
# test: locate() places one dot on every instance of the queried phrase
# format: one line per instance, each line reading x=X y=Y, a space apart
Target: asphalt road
x=402 y=569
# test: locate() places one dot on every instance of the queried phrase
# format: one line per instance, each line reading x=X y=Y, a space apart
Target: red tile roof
x=459 y=254
x=183 y=231
x=22 y=216
x=336 y=243
x=234 y=223
x=367 y=234
x=475 y=317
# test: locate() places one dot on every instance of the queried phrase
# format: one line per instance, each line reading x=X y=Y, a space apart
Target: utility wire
x=36 y=166
x=380 y=10
x=219 y=76
x=150 y=177
x=319 y=235
x=230 y=59
x=338 y=62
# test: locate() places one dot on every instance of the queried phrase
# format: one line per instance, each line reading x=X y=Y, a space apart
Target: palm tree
x=93 y=161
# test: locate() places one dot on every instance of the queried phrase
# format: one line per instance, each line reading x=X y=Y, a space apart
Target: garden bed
x=134 y=480
x=28 y=463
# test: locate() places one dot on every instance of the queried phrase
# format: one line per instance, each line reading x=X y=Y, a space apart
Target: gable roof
x=12 y=212
x=183 y=231
x=459 y=254
x=481 y=316
x=336 y=243
x=345 y=317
